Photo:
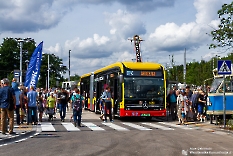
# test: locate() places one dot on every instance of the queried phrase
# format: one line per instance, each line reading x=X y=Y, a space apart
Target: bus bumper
x=142 y=113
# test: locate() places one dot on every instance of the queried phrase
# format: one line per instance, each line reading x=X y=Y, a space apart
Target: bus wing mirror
x=121 y=78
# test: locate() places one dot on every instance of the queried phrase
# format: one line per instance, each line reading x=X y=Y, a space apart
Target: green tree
x=76 y=77
x=10 y=61
x=224 y=34
x=10 y=55
x=56 y=70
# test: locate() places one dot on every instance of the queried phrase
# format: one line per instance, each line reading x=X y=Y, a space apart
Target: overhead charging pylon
x=137 y=39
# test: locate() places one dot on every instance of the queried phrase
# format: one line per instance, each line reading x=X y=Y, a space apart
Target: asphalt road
x=155 y=142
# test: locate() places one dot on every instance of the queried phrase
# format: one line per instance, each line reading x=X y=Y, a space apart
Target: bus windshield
x=144 y=88
x=216 y=83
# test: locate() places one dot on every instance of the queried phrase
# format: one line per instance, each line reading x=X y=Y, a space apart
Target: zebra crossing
x=106 y=126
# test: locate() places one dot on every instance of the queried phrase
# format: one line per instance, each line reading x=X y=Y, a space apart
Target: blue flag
x=33 y=70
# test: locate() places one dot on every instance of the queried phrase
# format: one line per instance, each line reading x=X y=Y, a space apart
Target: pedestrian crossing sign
x=224 y=67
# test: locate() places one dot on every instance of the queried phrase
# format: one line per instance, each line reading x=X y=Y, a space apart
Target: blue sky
x=97 y=31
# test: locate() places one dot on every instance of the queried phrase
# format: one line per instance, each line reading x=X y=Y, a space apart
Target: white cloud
x=105 y=44
x=166 y=38
x=206 y=10
x=171 y=37
x=100 y=40
x=56 y=49
x=32 y=16
x=124 y=24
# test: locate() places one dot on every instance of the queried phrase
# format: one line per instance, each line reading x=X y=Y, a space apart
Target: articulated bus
x=138 y=89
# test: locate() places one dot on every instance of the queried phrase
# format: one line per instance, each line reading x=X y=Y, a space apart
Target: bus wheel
x=149 y=118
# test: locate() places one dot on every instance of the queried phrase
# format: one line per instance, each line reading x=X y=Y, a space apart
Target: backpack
x=11 y=105
x=77 y=103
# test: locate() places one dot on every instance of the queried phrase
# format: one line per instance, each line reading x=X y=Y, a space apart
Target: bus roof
x=132 y=65
x=142 y=65
x=85 y=75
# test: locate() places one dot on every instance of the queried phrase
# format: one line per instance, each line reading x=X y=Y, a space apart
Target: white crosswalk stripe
x=47 y=126
x=116 y=127
x=177 y=126
x=136 y=126
x=93 y=126
x=70 y=127
x=157 y=126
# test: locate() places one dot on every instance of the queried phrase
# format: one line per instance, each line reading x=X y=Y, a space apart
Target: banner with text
x=33 y=70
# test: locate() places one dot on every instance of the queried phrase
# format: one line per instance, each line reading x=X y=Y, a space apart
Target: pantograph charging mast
x=136 y=39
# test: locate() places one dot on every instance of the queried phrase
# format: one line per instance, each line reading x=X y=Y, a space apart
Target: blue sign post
x=224 y=68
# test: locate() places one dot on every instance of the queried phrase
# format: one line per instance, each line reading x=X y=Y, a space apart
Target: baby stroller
x=50 y=112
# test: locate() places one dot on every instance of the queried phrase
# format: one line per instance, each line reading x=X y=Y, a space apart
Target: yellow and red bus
x=138 y=88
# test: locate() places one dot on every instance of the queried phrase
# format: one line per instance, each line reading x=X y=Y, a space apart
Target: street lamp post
x=69 y=65
x=21 y=41
x=48 y=71
x=21 y=58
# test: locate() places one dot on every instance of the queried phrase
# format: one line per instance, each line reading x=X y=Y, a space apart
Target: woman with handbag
x=51 y=100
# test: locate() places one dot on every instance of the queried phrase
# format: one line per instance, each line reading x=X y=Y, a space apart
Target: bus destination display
x=143 y=73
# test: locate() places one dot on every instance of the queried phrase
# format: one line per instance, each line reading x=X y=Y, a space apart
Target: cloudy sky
x=97 y=31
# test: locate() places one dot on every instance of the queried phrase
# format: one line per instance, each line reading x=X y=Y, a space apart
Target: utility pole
x=69 y=65
x=48 y=72
x=185 y=66
x=21 y=60
x=21 y=42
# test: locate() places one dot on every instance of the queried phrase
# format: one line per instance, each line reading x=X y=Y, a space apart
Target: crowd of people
x=30 y=104
x=187 y=105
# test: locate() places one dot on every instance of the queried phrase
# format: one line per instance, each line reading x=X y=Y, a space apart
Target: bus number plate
x=145 y=114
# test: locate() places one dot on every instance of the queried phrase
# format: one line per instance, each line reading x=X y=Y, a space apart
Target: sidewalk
x=22 y=132
x=207 y=127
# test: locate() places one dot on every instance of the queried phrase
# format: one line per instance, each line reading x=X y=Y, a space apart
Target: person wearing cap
x=15 y=87
x=4 y=103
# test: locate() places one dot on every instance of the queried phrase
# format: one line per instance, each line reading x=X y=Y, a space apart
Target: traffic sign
x=16 y=74
x=224 y=67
